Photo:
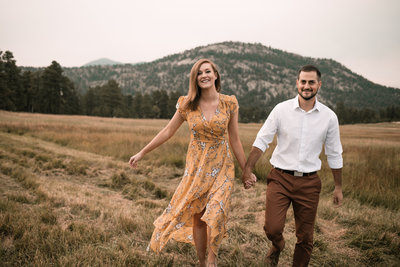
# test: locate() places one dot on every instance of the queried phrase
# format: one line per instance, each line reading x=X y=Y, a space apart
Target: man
x=302 y=126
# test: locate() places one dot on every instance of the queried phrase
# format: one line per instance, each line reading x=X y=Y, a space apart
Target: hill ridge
x=102 y=61
x=257 y=74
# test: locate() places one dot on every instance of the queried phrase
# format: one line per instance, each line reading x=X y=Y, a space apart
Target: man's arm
x=337 y=193
x=333 y=151
x=247 y=176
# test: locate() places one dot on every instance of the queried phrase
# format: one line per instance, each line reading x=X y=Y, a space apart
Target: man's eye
x=311 y=82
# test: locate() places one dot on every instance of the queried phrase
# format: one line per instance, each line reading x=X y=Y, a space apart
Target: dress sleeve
x=234 y=105
x=179 y=106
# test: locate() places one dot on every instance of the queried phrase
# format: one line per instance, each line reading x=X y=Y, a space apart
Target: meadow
x=69 y=198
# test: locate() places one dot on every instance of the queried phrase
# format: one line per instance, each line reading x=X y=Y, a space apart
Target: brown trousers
x=303 y=193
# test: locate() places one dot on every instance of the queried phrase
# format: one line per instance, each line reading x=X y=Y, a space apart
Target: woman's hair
x=193 y=96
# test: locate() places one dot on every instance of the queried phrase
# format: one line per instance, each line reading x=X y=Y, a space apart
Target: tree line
x=48 y=90
x=109 y=101
x=351 y=115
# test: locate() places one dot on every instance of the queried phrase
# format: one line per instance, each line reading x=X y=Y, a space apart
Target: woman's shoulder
x=181 y=101
x=182 y=98
x=230 y=102
x=230 y=99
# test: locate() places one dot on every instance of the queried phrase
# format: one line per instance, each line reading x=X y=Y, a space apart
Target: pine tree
x=137 y=105
x=51 y=89
x=89 y=102
x=56 y=93
x=113 y=99
x=172 y=100
x=28 y=83
x=70 y=102
x=11 y=90
x=128 y=100
x=147 y=107
x=160 y=104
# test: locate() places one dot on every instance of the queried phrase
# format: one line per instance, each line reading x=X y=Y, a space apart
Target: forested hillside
x=259 y=76
x=256 y=74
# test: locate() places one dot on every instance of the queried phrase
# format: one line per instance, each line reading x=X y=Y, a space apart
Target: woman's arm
x=166 y=133
x=234 y=140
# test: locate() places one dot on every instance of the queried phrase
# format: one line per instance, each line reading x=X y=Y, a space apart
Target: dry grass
x=67 y=196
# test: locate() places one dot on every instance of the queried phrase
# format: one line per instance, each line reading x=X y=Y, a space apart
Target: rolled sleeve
x=258 y=143
x=267 y=132
x=335 y=162
x=333 y=146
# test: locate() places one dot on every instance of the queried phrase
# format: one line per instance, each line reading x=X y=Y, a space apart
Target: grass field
x=68 y=197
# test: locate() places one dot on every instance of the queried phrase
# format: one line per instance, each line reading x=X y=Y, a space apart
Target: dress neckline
x=214 y=113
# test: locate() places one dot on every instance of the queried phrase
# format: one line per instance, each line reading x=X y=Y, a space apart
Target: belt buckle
x=296 y=173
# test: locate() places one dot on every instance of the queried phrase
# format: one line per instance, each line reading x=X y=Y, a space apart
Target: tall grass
x=67 y=196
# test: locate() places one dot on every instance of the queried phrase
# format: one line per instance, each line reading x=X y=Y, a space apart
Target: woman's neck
x=209 y=95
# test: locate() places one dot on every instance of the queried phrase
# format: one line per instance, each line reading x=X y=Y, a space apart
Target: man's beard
x=308 y=97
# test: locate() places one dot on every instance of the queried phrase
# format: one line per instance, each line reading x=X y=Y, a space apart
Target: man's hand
x=248 y=179
x=337 y=193
x=337 y=196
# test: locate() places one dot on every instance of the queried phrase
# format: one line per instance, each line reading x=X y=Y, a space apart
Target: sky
x=363 y=35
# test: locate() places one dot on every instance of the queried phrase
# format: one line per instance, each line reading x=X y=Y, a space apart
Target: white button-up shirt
x=300 y=137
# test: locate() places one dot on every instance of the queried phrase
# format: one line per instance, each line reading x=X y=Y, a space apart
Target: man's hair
x=309 y=68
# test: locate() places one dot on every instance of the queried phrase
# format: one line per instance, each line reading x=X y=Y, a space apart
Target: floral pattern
x=207 y=182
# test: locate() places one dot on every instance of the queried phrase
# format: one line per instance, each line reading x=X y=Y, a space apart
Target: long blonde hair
x=192 y=100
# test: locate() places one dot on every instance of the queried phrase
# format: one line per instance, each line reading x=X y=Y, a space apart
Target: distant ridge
x=258 y=75
x=102 y=62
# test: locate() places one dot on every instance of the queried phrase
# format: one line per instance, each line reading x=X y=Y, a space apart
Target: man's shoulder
x=324 y=108
x=286 y=103
x=326 y=111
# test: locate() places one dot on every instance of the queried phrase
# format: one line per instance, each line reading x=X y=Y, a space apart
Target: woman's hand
x=249 y=179
x=166 y=133
x=134 y=160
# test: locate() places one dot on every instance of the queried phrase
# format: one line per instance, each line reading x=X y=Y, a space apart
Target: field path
x=74 y=190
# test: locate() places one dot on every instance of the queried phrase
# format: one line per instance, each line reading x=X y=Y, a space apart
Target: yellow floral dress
x=207 y=182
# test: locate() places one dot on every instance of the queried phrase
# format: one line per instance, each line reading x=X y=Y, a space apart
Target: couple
x=198 y=209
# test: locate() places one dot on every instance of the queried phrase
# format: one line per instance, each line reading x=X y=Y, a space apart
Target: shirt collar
x=317 y=105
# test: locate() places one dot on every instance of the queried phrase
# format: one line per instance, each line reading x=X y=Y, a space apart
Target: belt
x=296 y=173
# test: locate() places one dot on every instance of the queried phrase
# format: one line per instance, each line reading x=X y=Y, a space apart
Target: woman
x=198 y=209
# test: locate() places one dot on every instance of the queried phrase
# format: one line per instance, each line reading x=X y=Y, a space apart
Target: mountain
x=102 y=62
x=258 y=75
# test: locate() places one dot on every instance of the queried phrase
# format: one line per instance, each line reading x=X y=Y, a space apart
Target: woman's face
x=206 y=76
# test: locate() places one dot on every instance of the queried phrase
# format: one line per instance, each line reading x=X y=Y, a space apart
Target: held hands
x=134 y=160
x=248 y=179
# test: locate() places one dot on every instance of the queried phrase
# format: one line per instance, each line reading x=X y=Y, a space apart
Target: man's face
x=308 y=84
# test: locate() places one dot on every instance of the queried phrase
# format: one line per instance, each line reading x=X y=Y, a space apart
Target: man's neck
x=306 y=105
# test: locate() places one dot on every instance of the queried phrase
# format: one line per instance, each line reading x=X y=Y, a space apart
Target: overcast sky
x=363 y=35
